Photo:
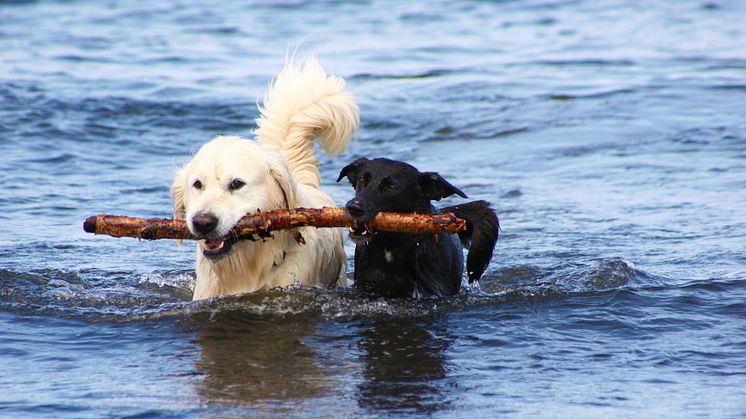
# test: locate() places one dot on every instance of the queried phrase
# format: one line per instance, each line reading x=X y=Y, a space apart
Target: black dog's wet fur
x=396 y=264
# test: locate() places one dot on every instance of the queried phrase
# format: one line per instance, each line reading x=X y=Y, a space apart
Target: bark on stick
x=261 y=223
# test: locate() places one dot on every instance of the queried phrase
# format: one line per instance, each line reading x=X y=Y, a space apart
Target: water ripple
x=609 y=136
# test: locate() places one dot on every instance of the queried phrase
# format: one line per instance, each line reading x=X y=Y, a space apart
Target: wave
x=126 y=297
x=43 y=114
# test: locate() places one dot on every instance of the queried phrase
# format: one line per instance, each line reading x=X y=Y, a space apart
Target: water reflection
x=405 y=367
x=249 y=361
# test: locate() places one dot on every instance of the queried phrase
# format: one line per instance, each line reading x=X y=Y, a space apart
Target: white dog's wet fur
x=230 y=177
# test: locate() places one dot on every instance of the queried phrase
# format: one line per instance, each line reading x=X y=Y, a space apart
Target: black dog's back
x=400 y=265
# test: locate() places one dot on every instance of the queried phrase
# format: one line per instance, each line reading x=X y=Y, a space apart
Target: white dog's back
x=303 y=104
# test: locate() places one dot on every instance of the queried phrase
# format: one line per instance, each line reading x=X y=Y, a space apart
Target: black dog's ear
x=352 y=169
x=435 y=187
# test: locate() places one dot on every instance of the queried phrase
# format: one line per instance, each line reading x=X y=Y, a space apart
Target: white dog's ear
x=281 y=175
x=177 y=196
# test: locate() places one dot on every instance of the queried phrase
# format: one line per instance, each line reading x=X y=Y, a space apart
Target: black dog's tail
x=480 y=236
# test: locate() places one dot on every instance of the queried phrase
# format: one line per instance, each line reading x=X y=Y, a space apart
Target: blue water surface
x=610 y=136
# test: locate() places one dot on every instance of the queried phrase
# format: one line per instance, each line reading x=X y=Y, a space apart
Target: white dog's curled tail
x=304 y=103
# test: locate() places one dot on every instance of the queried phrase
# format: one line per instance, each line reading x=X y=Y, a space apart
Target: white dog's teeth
x=214 y=245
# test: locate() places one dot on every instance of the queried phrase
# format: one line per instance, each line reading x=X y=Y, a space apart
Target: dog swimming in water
x=231 y=177
x=405 y=265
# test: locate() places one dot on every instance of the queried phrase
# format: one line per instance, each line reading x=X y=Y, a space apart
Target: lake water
x=610 y=136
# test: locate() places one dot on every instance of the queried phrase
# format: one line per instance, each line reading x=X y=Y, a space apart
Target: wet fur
x=403 y=265
x=277 y=170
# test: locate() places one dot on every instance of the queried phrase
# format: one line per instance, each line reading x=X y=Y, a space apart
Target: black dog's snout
x=355 y=208
x=204 y=222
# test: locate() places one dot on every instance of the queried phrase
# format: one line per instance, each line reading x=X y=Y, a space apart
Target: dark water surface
x=610 y=135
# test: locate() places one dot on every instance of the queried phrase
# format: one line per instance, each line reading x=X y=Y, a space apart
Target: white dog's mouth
x=216 y=249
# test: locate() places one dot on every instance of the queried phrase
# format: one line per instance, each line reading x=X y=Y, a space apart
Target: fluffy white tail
x=304 y=103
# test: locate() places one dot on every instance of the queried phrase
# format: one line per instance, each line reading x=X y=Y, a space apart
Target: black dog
x=402 y=265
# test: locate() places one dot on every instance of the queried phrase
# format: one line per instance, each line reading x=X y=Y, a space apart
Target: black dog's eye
x=236 y=184
x=363 y=181
x=387 y=185
x=197 y=184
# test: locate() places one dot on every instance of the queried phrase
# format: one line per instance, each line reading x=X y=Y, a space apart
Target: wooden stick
x=261 y=223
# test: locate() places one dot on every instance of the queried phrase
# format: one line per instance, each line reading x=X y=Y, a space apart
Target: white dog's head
x=228 y=178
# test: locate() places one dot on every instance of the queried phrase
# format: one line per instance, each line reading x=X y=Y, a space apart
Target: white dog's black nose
x=204 y=222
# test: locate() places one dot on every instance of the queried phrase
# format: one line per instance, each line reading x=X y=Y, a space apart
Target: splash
x=126 y=297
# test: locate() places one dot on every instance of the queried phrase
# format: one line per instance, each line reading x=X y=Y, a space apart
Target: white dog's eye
x=197 y=184
x=236 y=184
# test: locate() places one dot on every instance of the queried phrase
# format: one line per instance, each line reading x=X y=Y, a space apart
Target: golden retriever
x=230 y=177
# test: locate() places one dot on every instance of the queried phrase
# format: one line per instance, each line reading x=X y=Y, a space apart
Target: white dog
x=231 y=177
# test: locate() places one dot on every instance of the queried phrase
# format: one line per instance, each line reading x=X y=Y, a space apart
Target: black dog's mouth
x=361 y=233
x=216 y=249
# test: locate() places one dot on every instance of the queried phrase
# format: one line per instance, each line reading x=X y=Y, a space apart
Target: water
x=610 y=136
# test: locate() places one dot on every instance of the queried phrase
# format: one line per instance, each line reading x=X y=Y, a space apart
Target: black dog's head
x=389 y=185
